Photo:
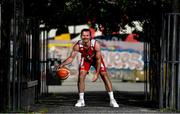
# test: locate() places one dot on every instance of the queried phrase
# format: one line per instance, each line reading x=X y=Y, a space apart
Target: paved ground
x=130 y=97
x=70 y=85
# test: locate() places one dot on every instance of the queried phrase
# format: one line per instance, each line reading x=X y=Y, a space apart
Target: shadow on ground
x=95 y=102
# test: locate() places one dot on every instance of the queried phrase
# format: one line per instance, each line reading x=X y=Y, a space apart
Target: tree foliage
x=108 y=12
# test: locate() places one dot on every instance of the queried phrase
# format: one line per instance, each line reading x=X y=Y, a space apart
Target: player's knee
x=83 y=73
x=103 y=74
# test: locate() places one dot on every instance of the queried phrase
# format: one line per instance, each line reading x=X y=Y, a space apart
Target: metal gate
x=20 y=69
x=152 y=49
x=170 y=62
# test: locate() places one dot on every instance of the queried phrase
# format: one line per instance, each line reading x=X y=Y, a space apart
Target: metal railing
x=20 y=73
x=170 y=62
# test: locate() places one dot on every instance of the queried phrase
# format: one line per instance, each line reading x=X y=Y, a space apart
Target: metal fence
x=20 y=69
x=162 y=60
x=170 y=62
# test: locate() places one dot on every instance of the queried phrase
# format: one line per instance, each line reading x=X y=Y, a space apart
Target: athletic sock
x=81 y=96
x=111 y=95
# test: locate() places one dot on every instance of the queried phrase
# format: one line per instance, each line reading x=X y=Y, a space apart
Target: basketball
x=63 y=73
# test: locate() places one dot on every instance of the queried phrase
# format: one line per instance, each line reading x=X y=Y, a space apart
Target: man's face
x=85 y=36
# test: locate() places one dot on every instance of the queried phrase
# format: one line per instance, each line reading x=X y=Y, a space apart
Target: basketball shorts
x=85 y=65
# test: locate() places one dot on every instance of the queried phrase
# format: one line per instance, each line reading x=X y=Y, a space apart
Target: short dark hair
x=86 y=30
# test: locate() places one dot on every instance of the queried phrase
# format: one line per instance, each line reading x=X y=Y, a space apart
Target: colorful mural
x=123 y=55
x=124 y=60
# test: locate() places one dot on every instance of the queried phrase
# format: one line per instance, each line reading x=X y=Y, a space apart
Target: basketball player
x=90 y=56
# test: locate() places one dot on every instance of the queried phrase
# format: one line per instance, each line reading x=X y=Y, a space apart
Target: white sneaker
x=80 y=103
x=113 y=103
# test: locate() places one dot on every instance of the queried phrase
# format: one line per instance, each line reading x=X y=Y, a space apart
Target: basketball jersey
x=87 y=54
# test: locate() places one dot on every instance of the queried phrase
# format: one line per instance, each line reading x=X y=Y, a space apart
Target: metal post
x=13 y=85
x=47 y=62
x=161 y=88
x=1 y=78
x=167 y=61
x=145 y=70
x=173 y=56
x=178 y=76
x=0 y=26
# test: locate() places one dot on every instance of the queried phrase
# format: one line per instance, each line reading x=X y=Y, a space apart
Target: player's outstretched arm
x=71 y=56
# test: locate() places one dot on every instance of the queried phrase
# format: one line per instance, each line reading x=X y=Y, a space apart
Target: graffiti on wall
x=123 y=55
x=120 y=57
x=116 y=54
x=123 y=60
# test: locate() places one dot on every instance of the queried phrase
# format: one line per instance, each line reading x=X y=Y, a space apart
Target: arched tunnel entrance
x=27 y=76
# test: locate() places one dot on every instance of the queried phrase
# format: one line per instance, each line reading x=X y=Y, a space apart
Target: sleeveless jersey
x=88 y=57
x=87 y=54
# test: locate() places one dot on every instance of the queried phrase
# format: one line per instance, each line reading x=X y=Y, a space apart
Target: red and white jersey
x=87 y=54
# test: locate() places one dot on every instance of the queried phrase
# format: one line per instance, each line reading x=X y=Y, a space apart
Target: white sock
x=81 y=96
x=111 y=95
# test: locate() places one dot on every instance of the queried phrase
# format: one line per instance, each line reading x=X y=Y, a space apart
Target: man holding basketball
x=90 y=51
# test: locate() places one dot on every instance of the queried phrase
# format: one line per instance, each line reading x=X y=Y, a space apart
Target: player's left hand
x=59 y=66
x=95 y=77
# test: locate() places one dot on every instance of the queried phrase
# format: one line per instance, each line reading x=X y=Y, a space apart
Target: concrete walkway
x=70 y=85
x=130 y=97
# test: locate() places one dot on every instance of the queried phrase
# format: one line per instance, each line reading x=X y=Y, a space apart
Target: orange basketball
x=63 y=73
